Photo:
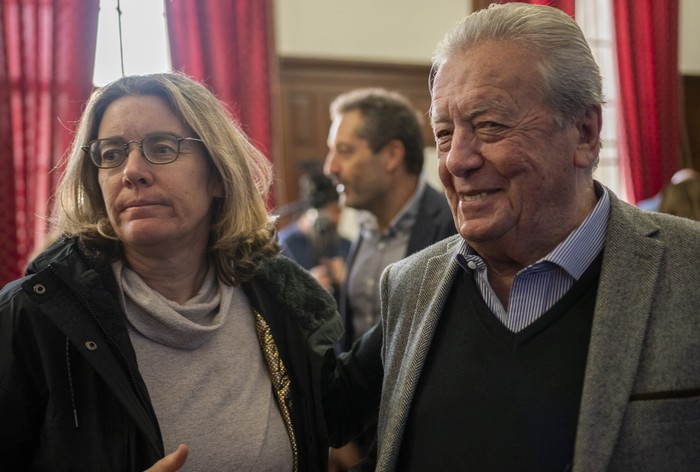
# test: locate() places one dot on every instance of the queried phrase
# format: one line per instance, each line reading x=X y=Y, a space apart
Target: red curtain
x=227 y=45
x=47 y=50
x=649 y=122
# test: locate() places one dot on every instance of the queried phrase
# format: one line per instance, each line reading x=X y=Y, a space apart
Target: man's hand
x=172 y=461
x=336 y=269
x=322 y=276
x=330 y=274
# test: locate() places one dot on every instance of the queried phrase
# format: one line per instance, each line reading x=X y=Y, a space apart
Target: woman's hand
x=172 y=461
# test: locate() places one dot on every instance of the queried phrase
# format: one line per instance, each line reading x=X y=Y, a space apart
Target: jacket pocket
x=659 y=434
x=665 y=395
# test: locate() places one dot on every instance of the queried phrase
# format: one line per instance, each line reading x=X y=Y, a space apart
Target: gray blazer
x=640 y=407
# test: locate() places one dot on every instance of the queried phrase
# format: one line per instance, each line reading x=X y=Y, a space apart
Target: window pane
x=144 y=36
x=595 y=19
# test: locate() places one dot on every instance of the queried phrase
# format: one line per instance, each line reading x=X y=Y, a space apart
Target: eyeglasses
x=157 y=149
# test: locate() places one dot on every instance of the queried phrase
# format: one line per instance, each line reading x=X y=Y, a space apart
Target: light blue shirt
x=377 y=249
x=537 y=287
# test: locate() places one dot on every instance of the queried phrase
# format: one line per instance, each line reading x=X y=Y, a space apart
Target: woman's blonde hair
x=242 y=232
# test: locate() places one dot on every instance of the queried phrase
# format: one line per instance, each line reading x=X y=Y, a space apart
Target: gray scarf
x=166 y=322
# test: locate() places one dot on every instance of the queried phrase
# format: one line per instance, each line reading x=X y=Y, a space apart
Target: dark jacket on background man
x=68 y=371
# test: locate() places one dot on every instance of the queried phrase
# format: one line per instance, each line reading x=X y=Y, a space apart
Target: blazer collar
x=621 y=314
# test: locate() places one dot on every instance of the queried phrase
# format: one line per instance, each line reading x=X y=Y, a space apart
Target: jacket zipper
x=70 y=384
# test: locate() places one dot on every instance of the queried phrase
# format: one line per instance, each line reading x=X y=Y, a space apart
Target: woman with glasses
x=163 y=314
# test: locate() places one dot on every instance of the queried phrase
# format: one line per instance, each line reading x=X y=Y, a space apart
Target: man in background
x=312 y=240
x=376 y=157
x=682 y=199
x=652 y=203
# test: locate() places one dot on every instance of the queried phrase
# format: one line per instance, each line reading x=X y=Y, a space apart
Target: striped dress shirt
x=537 y=287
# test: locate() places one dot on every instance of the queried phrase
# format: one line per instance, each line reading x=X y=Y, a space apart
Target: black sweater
x=493 y=400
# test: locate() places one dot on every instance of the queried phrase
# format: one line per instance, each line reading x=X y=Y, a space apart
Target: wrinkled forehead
x=134 y=117
x=485 y=71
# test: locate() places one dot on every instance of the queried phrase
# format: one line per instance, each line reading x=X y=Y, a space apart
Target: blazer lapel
x=622 y=311
x=433 y=290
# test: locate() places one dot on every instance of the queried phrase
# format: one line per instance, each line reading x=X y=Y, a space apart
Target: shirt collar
x=582 y=246
x=575 y=253
x=404 y=219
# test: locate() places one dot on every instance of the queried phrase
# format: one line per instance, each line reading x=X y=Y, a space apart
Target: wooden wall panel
x=479 y=4
x=691 y=110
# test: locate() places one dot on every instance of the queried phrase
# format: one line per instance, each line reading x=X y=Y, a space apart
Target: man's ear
x=394 y=153
x=589 y=126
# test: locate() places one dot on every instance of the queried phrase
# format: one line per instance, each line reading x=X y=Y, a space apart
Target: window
x=596 y=21
x=144 y=39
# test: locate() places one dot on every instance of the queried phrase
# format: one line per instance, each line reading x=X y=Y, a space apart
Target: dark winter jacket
x=71 y=396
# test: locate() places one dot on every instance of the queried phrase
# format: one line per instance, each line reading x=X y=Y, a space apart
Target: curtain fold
x=47 y=50
x=649 y=122
x=227 y=46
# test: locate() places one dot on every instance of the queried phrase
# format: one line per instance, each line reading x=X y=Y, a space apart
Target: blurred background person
x=682 y=199
x=164 y=314
x=375 y=155
x=652 y=203
x=312 y=239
